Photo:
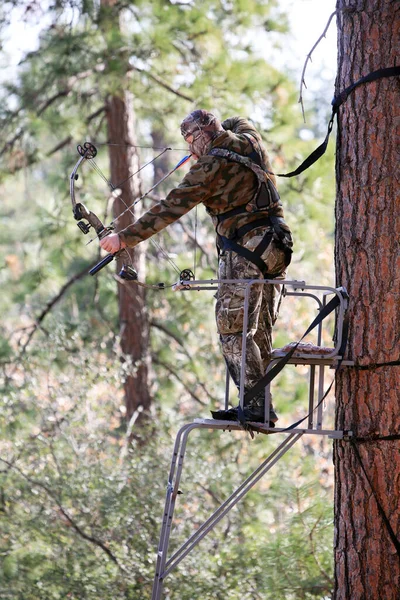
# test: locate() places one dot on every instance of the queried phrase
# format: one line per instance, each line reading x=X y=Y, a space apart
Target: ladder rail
x=229 y=503
x=164 y=566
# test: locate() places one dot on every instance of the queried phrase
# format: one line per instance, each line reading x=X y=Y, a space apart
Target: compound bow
x=87 y=219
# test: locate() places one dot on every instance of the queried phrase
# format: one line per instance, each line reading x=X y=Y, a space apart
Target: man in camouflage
x=230 y=178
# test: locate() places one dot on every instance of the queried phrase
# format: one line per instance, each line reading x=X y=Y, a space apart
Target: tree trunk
x=124 y=160
x=368 y=264
x=134 y=324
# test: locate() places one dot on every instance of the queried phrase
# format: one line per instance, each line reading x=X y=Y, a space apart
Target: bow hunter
x=232 y=178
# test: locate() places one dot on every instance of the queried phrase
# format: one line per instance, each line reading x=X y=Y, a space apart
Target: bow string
x=88 y=219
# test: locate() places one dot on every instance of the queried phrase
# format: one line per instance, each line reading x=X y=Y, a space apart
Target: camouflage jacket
x=220 y=184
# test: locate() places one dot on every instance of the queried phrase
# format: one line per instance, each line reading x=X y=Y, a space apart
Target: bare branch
x=209 y=491
x=176 y=375
x=171 y=334
x=302 y=80
x=66 y=515
x=8 y=145
x=193 y=239
x=163 y=84
x=50 y=304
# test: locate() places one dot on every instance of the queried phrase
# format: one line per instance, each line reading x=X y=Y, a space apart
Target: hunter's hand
x=112 y=243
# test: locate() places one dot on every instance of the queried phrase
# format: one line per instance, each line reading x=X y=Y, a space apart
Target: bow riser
x=81 y=212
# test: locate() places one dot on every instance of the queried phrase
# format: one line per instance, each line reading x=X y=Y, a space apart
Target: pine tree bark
x=124 y=161
x=133 y=316
x=367 y=257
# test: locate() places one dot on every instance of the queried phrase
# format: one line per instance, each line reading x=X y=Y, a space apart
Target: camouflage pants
x=230 y=311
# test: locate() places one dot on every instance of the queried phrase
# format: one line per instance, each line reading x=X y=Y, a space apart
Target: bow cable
x=113 y=186
x=129 y=208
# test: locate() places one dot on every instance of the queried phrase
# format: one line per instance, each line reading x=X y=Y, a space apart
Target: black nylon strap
x=228 y=244
x=336 y=103
x=314 y=156
x=373 y=76
x=276 y=369
x=265 y=242
x=239 y=210
x=241 y=231
x=341 y=354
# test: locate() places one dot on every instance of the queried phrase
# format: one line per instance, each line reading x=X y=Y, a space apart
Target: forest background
x=82 y=486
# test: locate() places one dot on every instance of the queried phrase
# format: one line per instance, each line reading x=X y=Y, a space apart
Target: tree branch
x=68 y=139
x=66 y=515
x=176 y=375
x=171 y=334
x=49 y=101
x=302 y=80
x=50 y=304
x=163 y=83
x=193 y=239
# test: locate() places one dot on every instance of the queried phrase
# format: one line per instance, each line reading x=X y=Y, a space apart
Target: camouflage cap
x=198 y=129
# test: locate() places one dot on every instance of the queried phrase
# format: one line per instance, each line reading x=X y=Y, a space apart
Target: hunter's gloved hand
x=112 y=243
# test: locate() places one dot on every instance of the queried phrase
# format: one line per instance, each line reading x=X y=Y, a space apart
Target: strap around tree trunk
x=336 y=103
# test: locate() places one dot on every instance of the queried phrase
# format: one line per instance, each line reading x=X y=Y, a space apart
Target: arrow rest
x=128 y=273
x=84 y=227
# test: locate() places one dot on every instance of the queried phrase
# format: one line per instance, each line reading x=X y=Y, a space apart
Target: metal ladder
x=165 y=565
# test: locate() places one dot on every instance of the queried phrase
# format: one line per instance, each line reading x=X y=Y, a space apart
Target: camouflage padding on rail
x=218 y=183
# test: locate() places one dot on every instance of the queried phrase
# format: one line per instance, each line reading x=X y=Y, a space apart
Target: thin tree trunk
x=368 y=265
x=124 y=160
x=134 y=324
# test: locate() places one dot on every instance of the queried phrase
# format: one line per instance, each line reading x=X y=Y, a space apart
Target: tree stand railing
x=326 y=357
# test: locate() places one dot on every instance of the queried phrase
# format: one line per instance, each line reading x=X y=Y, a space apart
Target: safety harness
x=266 y=199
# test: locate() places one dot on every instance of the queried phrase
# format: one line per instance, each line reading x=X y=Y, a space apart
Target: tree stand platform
x=316 y=357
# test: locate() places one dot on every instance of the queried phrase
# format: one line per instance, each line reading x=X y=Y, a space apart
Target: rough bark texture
x=368 y=265
x=124 y=160
x=134 y=324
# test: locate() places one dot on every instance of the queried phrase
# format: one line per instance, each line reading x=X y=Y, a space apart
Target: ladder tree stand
x=317 y=358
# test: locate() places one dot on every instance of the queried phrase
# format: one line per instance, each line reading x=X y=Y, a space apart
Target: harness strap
x=277 y=368
x=252 y=256
x=244 y=160
x=336 y=103
x=241 y=231
x=266 y=196
x=239 y=210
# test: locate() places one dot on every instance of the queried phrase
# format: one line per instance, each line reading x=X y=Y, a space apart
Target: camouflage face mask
x=198 y=130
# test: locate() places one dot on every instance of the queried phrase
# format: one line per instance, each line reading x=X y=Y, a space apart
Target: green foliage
x=81 y=505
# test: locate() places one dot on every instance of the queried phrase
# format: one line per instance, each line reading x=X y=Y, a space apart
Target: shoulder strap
x=254 y=154
x=244 y=160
